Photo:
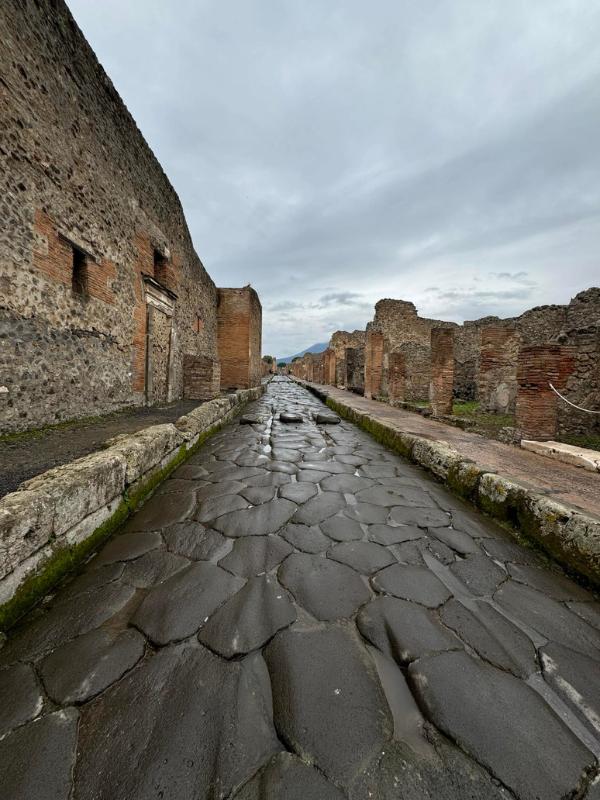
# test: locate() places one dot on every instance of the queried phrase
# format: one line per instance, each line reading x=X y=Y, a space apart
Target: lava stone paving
x=300 y=614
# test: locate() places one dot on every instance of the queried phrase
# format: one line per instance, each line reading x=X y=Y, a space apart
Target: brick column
x=497 y=383
x=537 y=404
x=373 y=363
x=442 y=370
x=329 y=366
x=396 y=376
x=201 y=377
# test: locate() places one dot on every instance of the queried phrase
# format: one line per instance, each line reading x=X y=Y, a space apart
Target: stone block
x=145 y=449
x=26 y=525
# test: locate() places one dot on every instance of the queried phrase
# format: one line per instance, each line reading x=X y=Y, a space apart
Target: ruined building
x=103 y=301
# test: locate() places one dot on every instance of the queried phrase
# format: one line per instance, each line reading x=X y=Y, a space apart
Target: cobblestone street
x=300 y=614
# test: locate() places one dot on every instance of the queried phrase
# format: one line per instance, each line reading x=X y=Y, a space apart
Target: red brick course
x=373 y=363
x=537 y=404
x=442 y=370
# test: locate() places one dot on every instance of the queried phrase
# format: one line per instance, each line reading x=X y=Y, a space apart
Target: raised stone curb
x=567 y=534
x=56 y=519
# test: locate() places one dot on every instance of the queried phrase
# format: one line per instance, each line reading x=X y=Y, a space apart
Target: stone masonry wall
x=497 y=384
x=339 y=343
x=87 y=212
x=239 y=318
x=537 y=404
x=396 y=377
x=374 y=357
x=442 y=370
x=355 y=369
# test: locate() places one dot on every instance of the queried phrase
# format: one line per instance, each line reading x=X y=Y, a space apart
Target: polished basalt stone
x=418 y=584
x=308 y=539
x=258 y=520
x=365 y=557
x=255 y=555
x=21 y=698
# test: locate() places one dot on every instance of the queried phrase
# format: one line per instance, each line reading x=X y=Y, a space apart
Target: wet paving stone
x=126 y=547
x=326 y=589
x=289 y=416
x=193 y=540
x=492 y=636
x=394 y=496
x=249 y=619
x=20 y=697
x=307 y=538
x=456 y=540
x=258 y=494
x=576 y=677
x=394 y=534
x=553 y=584
x=312 y=707
x=287 y=777
x=347 y=484
x=298 y=492
x=268 y=479
x=590 y=612
x=215 y=507
x=152 y=568
x=328 y=467
x=549 y=618
x=418 y=584
x=327 y=419
x=365 y=557
x=197 y=726
x=423 y=517
x=341 y=528
x=479 y=574
x=91 y=580
x=87 y=665
x=409 y=553
x=403 y=631
x=255 y=555
x=257 y=521
x=189 y=472
x=212 y=490
x=310 y=476
x=511 y=552
x=320 y=508
x=37 y=759
x=162 y=510
x=496 y=717
x=366 y=513
x=176 y=608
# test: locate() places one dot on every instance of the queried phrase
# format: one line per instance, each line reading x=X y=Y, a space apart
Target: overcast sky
x=334 y=152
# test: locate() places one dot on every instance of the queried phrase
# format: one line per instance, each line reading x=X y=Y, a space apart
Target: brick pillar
x=329 y=366
x=396 y=376
x=442 y=370
x=201 y=377
x=537 y=405
x=373 y=363
x=497 y=382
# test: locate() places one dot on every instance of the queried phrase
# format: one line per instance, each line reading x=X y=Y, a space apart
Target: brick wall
x=373 y=363
x=239 y=317
x=202 y=378
x=77 y=174
x=442 y=370
x=537 y=404
x=497 y=381
x=355 y=369
x=329 y=367
x=339 y=342
x=396 y=377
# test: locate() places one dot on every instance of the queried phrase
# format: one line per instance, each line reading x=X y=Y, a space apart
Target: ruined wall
x=374 y=363
x=239 y=317
x=87 y=212
x=537 y=405
x=442 y=371
x=497 y=382
x=396 y=377
x=339 y=343
x=355 y=369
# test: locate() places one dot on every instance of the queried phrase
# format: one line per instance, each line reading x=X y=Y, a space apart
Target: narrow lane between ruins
x=299 y=613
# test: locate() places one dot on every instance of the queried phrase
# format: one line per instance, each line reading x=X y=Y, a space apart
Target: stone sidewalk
x=300 y=614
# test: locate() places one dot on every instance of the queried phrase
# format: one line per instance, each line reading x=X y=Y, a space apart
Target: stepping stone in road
x=249 y=619
x=403 y=631
x=253 y=555
x=365 y=557
x=496 y=717
x=258 y=520
x=326 y=589
x=327 y=419
x=20 y=697
x=290 y=416
x=418 y=584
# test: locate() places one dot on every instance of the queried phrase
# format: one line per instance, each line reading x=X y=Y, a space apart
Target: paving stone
x=249 y=459
x=65 y=620
x=298 y=492
x=311 y=476
x=365 y=557
x=341 y=528
x=446 y=773
x=307 y=538
x=193 y=540
x=89 y=664
x=249 y=619
x=549 y=582
x=176 y=608
x=270 y=479
x=286 y=777
x=348 y=458
x=476 y=525
x=409 y=553
x=492 y=636
x=329 y=467
x=411 y=583
x=423 y=517
x=254 y=555
x=126 y=547
x=283 y=454
x=197 y=726
x=36 y=760
x=549 y=618
x=327 y=419
x=162 y=510
x=231 y=472
x=258 y=494
x=176 y=485
x=190 y=472
x=379 y=470
x=215 y=507
x=394 y=534
x=575 y=676
x=366 y=513
x=152 y=568
x=251 y=419
x=590 y=612
x=335 y=716
x=20 y=697
x=91 y=580
x=212 y=490
x=403 y=631
x=257 y=521
x=457 y=540
x=348 y=484
x=438 y=550
x=479 y=574
x=504 y=550
x=390 y=496
x=326 y=589
x=493 y=716
x=319 y=508
x=290 y=416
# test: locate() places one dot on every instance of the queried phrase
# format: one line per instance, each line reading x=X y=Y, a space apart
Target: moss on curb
x=66 y=560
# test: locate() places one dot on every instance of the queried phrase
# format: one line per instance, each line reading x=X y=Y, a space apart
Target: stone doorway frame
x=161 y=298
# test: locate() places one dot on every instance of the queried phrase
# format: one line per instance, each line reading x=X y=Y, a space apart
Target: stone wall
x=201 y=377
x=396 y=377
x=374 y=362
x=497 y=382
x=537 y=405
x=339 y=343
x=239 y=317
x=442 y=371
x=355 y=369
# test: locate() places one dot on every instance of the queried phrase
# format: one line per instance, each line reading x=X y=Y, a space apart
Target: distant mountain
x=314 y=348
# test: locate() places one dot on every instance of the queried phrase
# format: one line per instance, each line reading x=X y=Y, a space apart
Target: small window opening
x=160 y=267
x=79 y=279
